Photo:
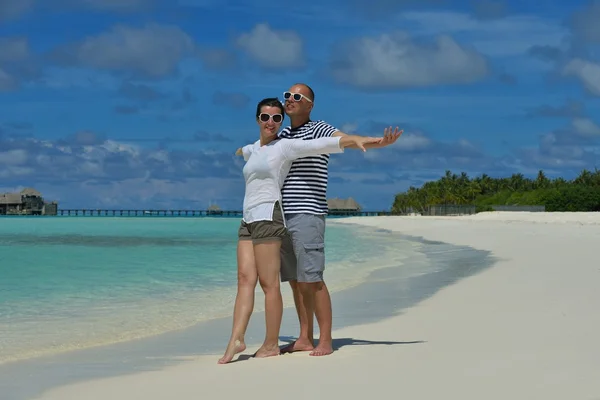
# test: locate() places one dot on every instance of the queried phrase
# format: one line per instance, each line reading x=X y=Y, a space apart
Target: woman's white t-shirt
x=267 y=166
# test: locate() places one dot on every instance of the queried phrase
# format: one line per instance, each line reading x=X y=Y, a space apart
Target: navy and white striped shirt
x=304 y=190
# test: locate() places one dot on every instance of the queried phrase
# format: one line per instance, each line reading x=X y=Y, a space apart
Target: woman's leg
x=268 y=261
x=244 y=300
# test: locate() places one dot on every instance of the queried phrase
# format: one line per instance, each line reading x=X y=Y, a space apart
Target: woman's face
x=270 y=120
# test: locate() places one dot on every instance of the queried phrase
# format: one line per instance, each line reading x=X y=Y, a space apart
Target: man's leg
x=305 y=309
x=289 y=263
x=309 y=244
x=324 y=315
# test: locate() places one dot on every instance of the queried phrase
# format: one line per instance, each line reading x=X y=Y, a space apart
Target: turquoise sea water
x=70 y=283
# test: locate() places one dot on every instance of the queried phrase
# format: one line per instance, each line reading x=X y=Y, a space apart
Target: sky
x=142 y=103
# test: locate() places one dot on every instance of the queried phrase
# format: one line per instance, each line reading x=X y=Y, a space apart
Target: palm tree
x=584 y=178
x=542 y=181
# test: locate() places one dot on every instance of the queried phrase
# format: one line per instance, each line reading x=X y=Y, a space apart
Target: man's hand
x=359 y=142
x=363 y=143
x=390 y=136
x=239 y=152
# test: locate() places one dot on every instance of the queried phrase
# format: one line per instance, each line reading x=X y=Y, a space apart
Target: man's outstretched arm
x=389 y=137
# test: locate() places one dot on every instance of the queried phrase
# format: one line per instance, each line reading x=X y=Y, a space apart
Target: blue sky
x=141 y=103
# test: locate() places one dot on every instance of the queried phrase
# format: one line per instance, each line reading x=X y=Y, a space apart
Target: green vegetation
x=579 y=194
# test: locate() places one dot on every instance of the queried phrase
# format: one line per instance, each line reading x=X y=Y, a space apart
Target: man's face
x=299 y=101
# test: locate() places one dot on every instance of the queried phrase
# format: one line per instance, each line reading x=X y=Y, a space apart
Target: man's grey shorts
x=303 y=248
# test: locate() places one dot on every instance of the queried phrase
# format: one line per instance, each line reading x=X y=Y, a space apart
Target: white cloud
x=74 y=164
x=587 y=72
x=413 y=142
x=490 y=9
x=115 y=5
x=407 y=143
x=573 y=147
x=147 y=192
x=13 y=49
x=153 y=50
x=349 y=127
x=586 y=127
x=584 y=22
x=394 y=60
x=7 y=82
x=14 y=9
x=509 y=36
x=13 y=157
x=273 y=48
x=554 y=153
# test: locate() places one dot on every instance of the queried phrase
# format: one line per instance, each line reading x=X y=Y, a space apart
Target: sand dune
x=525 y=329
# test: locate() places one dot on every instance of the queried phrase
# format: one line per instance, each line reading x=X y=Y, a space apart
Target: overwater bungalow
x=348 y=205
x=27 y=202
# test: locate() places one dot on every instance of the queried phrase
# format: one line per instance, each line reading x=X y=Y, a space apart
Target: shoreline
x=355 y=305
x=522 y=329
x=97 y=318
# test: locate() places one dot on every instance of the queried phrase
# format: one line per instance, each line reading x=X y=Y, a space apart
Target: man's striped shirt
x=304 y=190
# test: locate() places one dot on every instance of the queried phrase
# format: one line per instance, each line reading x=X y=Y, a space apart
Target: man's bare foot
x=265 y=351
x=322 y=349
x=233 y=348
x=298 y=345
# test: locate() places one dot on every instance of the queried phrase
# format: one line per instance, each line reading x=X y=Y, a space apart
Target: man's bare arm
x=389 y=137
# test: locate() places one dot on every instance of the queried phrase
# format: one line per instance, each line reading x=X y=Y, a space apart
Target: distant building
x=343 y=205
x=214 y=210
x=50 y=208
x=27 y=202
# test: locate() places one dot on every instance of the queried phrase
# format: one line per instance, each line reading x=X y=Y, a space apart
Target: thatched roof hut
x=348 y=204
x=30 y=192
x=214 y=207
x=27 y=202
x=11 y=198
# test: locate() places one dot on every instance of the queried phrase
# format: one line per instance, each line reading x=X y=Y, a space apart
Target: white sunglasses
x=295 y=96
x=264 y=117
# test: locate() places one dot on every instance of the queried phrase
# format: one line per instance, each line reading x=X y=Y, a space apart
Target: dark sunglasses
x=295 y=96
x=264 y=117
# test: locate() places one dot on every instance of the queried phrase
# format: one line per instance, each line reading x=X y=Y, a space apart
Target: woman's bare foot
x=234 y=347
x=267 y=351
x=298 y=345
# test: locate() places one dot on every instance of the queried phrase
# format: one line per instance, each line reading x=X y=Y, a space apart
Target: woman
x=268 y=161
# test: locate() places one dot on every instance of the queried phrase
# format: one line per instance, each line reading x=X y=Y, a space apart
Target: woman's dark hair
x=269 y=102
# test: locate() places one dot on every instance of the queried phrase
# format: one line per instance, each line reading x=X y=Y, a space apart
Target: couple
x=282 y=232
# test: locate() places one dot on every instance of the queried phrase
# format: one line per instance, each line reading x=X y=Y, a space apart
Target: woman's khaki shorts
x=264 y=231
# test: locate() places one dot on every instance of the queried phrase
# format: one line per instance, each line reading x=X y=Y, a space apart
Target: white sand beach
x=527 y=328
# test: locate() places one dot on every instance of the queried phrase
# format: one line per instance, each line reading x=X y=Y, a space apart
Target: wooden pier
x=147 y=213
x=190 y=213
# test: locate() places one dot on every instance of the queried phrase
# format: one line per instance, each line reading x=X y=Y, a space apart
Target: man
x=304 y=200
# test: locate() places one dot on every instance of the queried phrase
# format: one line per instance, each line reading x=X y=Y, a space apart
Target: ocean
x=69 y=283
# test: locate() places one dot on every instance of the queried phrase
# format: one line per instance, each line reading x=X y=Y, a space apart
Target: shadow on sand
x=337 y=344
